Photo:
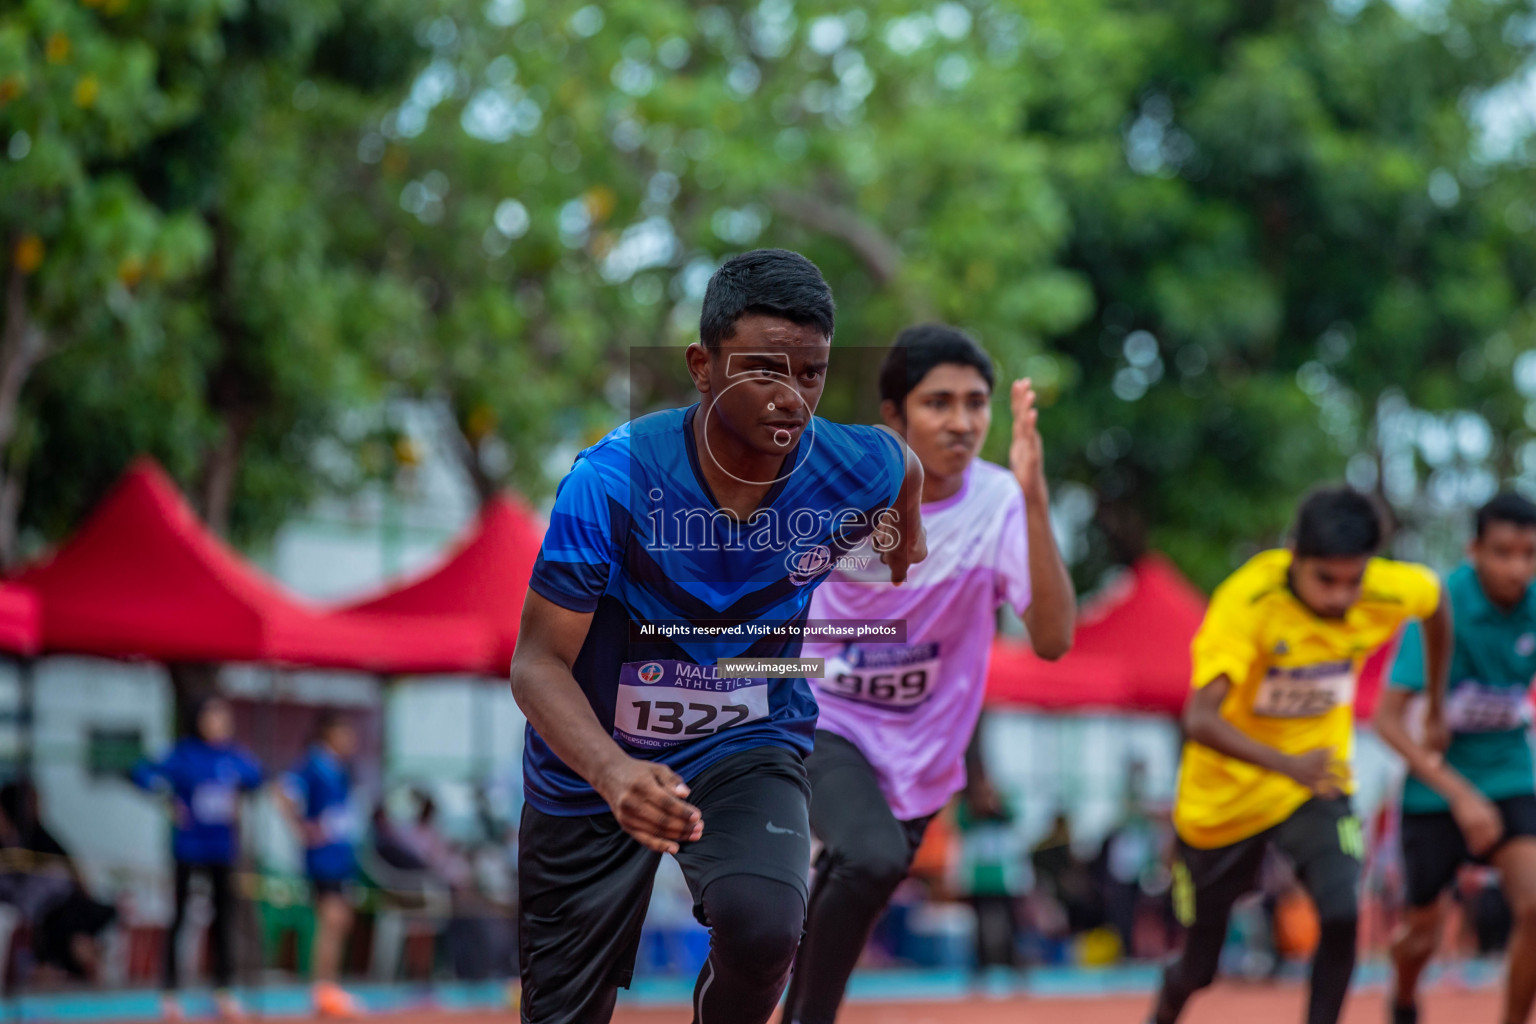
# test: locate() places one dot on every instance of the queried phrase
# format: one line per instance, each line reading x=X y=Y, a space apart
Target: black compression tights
x=754 y=930
x=1332 y=967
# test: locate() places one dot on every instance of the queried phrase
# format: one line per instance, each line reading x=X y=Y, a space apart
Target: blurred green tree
x=1227 y=239
x=88 y=260
x=563 y=177
x=171 y=280
x=1240 y=246
x=1310 y=252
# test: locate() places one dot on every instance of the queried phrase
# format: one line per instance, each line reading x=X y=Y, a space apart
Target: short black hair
x=1506 y=507
x=192 y=717
x=770 y=282
x=919 y=349
x=328 y=719
x=1338 y=522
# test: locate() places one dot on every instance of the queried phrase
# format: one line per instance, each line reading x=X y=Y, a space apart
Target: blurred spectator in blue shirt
x=204 y=775
x=317 y=794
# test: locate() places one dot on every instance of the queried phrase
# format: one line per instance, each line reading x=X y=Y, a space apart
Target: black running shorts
x=1434 y=848
x=1323 y=840
x=584 y=884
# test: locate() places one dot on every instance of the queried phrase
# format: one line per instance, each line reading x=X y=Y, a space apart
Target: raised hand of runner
x=1026 y=453
x=910 y=541
x=648 y=801
x=1318 y=770
x=1479 y=821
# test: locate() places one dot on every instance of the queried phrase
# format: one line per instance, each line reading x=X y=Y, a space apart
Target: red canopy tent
x=1131 y=650
x=485 y=576
x=143 y=578
x=18 y=620
x=1373 y=678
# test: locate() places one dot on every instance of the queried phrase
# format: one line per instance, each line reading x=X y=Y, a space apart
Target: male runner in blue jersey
x=726 y=515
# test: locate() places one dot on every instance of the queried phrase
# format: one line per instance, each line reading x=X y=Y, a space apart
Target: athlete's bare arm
x=1438 y=638
x=1052 y=613
x=309 y=832
x=647 y=798
x=1204 y=724
x=1477 y=817
x=908 y=523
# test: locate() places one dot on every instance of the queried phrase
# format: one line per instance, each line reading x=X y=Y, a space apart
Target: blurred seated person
x=992 y=870
x=391 y=846
x=39 y=877
x=414 y=900
x=434 y=849
x=1130 y=875
x=1066 y=879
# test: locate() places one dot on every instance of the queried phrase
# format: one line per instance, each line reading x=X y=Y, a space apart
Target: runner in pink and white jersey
x=896 y=719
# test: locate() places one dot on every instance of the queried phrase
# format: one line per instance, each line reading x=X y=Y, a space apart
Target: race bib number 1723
x=1305 y=692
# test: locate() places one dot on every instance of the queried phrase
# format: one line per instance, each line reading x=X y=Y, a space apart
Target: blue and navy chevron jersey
x=637 y=539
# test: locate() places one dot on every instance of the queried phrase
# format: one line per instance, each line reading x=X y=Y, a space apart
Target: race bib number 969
x=896 y=676
x=664 y=703
x=1305 y=692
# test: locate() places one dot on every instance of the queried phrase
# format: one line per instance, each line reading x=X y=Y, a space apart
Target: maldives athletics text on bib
x=664 y=702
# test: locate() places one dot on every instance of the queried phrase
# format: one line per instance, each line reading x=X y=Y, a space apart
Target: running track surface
x=1223 y=1004
x=1226 y=1003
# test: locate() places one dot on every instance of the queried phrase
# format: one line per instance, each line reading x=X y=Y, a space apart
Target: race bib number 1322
x=664 y=703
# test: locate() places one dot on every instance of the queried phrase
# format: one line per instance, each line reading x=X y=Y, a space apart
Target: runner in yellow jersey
x=1270 y=734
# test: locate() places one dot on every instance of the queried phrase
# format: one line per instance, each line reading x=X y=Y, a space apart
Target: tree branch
x=469 y=455
x=22 y=346
x=880 y=254
x=237 y=390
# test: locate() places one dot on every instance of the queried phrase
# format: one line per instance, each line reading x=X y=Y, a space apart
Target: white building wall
x=117 y=833
x=453 y=728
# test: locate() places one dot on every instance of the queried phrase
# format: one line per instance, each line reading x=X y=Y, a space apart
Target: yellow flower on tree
x=57 y=48
x=28 y=255
x=600 y=202
x=86 y=91
x=480 y=424
x=407 y=452
x=130 y=271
